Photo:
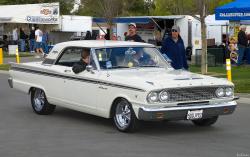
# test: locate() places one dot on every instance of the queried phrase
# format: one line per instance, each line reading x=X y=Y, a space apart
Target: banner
x=43 y=13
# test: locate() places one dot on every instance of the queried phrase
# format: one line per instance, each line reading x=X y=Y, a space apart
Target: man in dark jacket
x=174 y=48
x=84 y=61
x=132 y=35
x=23 y=38
x=32 y=40
x=242 y=44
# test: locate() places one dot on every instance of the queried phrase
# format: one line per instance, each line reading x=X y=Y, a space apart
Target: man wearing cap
x=174 y=48
x=242 y=44
x=132 y=35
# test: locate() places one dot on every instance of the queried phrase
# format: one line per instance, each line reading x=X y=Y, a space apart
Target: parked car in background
x=126 y=81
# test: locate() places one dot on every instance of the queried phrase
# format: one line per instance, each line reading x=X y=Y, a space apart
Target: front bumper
x=180 y=112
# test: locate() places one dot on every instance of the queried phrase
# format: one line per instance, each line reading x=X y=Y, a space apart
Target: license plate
x=195 y=114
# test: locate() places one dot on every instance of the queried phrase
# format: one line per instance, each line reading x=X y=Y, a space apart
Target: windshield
x=129 y=57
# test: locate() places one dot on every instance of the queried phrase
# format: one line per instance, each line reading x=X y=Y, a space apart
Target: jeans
x=45 y=47
x=241 y=53
x=22 y=45
x=32 y=45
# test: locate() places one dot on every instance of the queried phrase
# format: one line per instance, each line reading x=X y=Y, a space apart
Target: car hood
x=150 y=79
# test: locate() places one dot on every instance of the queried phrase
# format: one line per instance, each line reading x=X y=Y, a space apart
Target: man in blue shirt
x=174 y=48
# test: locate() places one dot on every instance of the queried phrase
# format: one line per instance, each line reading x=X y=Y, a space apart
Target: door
x=78 y=90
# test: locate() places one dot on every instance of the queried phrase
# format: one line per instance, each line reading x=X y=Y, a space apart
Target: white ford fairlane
x=126 y=81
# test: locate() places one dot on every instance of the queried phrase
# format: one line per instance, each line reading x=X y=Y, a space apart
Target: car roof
x=94 y=44
x=103 y=43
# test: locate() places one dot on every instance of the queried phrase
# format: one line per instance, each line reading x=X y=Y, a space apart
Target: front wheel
x=39 y=102
x=205 y=122
x=124 y=117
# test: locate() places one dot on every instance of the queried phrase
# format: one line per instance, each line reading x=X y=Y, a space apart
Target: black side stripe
x=75 y=78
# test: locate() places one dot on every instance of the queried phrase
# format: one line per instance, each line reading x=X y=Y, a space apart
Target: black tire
x=205 y=122
x=39 y=102
x=123 y=112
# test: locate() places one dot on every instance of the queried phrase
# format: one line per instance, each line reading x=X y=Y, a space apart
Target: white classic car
x=126 y=81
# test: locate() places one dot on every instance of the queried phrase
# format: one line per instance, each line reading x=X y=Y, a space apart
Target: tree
x=109 y=9
x=199 y=9
x=204 y=8
x=149 y=5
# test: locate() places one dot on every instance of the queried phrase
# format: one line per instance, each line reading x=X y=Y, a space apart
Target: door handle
x=67 y=71
x=101 y=87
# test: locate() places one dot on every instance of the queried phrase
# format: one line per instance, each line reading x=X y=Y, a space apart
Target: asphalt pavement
x=68 y=133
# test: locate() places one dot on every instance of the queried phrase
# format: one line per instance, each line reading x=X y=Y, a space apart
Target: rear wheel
x=39 y=102
x=124 y=117
x=205 y=122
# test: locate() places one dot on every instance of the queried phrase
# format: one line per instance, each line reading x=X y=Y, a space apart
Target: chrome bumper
x=180 y=112
x=10 y=81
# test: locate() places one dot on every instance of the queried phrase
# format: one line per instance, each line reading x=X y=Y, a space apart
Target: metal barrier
x=228 y=67
x=1 y=56
x=17 y=56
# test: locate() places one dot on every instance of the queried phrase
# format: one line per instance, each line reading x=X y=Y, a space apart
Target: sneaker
x=37 y=56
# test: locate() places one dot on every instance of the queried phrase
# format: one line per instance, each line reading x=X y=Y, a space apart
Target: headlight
x=152 y=97
x=163 y=96
x=229 y=92
x=220 y=92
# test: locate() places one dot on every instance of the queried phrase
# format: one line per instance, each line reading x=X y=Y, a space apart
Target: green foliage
x=240 y=76
x=126 y=7
x=5 y=67
x=134 y=7
x=181 y=7
x=130 y=7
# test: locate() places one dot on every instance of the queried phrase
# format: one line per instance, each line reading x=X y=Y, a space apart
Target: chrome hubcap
x=123 y=114
x=39 y=99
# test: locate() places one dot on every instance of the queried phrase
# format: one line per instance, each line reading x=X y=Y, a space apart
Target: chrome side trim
x=224 y=104
x=45 y=73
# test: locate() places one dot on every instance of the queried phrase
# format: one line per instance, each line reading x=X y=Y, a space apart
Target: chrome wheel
x=39 y=99
x=123 y=114
x=40 y=103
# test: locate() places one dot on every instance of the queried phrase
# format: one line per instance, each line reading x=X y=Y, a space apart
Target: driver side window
x=72 y=55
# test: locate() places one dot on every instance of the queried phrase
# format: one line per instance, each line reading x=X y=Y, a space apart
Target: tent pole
x=100 y=28
x=156 y=24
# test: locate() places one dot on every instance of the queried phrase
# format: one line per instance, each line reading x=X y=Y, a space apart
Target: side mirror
x=90 y=68
x=166 y=58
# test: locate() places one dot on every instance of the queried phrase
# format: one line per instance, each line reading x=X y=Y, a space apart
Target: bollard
x=228 y=67
x=17 y=56
x=1 y=56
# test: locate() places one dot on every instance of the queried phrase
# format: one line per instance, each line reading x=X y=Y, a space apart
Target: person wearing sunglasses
x=174 y=48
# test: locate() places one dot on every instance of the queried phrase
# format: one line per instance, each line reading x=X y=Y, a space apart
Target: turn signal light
x=159 y=115
x=226 y=110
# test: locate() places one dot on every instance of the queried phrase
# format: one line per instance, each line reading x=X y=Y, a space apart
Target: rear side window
x=69 y=56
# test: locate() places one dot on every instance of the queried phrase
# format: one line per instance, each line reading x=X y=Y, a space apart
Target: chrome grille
x=192 y=94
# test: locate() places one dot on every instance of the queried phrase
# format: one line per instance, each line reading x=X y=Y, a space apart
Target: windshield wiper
x=156 y=66
x=117 y=67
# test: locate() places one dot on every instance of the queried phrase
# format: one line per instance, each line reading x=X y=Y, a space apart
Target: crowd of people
x=36 y=40
x=172 y=46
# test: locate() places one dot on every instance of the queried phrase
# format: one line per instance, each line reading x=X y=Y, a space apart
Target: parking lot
x=70 y=133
